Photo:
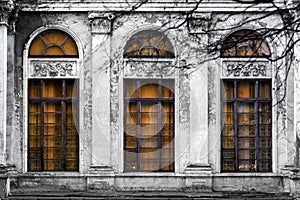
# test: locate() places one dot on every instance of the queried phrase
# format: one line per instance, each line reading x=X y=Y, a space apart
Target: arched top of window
x=245 y=43
x=149 y=44
x=53 y=43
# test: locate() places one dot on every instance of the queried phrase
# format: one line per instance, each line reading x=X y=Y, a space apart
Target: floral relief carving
x=149 y=69
x=184 y=96
x=246 y=69
x=101 y=25
x=53 y=69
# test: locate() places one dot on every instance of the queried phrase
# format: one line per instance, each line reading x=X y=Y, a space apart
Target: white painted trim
x=26 y=76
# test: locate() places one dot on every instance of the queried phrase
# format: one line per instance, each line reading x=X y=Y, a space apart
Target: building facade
x=143 y=96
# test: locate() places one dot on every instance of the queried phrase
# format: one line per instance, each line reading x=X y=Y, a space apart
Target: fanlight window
x=149 y=44
x=53 y=43
x=245 y=43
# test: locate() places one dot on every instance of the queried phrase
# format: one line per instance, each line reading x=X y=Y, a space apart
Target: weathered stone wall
x=197 y=78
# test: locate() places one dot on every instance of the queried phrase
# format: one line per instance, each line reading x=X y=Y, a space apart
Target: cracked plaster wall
x=28 y=23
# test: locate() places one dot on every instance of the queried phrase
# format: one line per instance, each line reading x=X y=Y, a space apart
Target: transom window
x=245 y=43
x=52 y=125
x=149 y=125
x=247 y=126
x=53 y=43
x=149 y=44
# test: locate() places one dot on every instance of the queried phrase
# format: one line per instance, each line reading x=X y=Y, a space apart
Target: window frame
x=63 y=100
x=256 y=100
x=139 y=101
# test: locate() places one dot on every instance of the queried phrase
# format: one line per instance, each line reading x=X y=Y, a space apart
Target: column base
x=101 y=170
x=198 y=168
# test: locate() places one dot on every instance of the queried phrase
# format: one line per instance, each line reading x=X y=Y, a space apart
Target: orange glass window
x=53 y=138
x=53 y=43
x=149 y=43
x=149 y=125
x=245 y=43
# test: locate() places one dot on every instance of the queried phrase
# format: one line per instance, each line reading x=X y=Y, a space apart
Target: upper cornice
x=149 y=5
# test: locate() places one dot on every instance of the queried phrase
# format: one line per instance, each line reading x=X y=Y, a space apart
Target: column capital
x=6 y=8
x=101 y=22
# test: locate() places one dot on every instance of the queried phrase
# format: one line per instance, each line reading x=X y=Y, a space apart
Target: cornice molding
x=6 y=8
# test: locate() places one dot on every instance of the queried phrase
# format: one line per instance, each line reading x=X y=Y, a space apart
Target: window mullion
x=256 y=127
x=236 y=160
x=138 y=128
x=42 y=126
x=160 y=117
x=63 y=125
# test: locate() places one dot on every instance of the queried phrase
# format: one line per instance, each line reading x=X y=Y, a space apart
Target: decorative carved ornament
x=199 y=23
x=246 y=69
x=101 y=22
x=149 y=69
x=6 y=7
x=101 y=26
x=53 y=69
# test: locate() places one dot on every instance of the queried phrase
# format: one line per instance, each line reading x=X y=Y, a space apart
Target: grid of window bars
x=149 y=125
x=247 y=123
x=53 y=116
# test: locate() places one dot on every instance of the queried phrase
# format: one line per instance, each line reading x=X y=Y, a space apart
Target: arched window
x=53 y=43
x=246 y=107
x=53 y=140
x=245 y=43
x=149 y=44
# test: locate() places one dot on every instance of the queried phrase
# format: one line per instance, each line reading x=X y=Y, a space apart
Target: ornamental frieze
x=53 y=69
x=149 y=69
x=246 y=69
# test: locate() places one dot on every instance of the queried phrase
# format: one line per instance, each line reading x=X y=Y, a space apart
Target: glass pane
x=246 y=119
x=168 y=89
x=246 y=165
x=149 y=130
x=71 y=88
x=245 y=89
x=149 y=43
x=228 y=165
x=149 y=90
x=149 y=142
x=265 y=154
x=265 y=166
x=246 y=130
x=131 y=89
x=52 y=88
x=130 y=142
x=265 y=107
x=71 y=165
x=245 y=107
x=228 y=118
x=246 y=142
x=264 y=89
x=35 y=107
x=228 y=131
x=72 y=153
x=130 y=160
x=53 y=43
x=228 y=154
x=228 y=142
x=168 y=165
x=228 y=89
x=168 y=130
x=149 y=160
x=265 y=130
x=265 y=142
x=265 y=118
x=34 y=88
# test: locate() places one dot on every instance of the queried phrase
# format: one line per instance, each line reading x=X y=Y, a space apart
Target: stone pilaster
x=6 y=6
x=101 y=138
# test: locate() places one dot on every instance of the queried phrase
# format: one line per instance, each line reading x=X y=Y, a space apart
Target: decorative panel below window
x=247 y=126
x=149 y=125
x=52 y=125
